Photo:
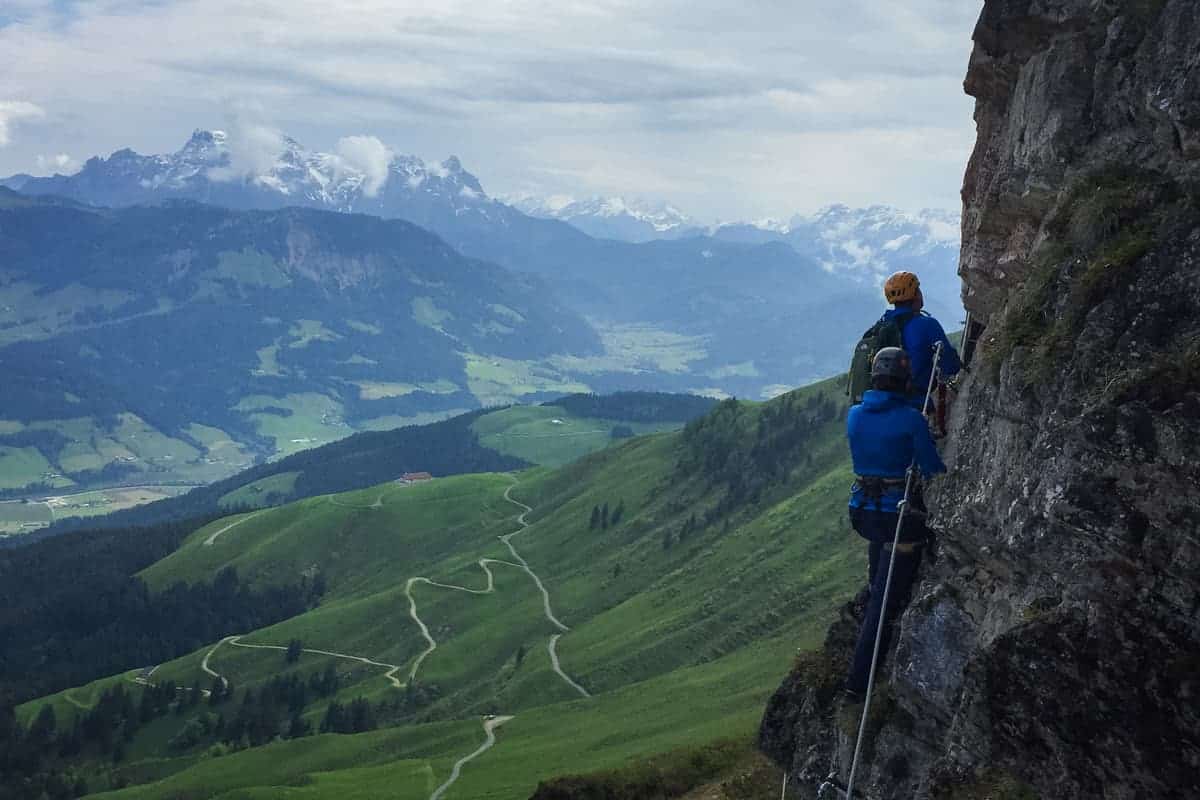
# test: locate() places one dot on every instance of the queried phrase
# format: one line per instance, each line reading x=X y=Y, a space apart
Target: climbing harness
x=902 y=509
x=873 y=488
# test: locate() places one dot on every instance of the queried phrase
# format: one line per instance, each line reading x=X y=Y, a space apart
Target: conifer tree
x=43 y=728
x=334 y=721
x=298 y=726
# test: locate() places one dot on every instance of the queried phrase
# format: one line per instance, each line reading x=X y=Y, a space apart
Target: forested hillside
x=73 y=609
x=479 y=441
x=699 y=313
x=178 y=343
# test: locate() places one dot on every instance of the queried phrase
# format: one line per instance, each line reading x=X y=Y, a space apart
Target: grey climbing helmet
x=891 y=362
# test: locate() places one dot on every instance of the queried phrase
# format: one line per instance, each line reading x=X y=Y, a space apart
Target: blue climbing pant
x=879 y=527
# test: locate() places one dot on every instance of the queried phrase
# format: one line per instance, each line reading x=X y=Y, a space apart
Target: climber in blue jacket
x=919 y=332
x=887 y=434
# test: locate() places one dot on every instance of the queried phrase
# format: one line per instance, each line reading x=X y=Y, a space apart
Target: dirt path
x=67 y=696
x=145 y=675
x=208 y=670
x=489 y=728
x=143 y=678
x=552 y=647
x=234 y=641
x=209 y=541
x=430 y=642
x=377 y=504
x=506 y=538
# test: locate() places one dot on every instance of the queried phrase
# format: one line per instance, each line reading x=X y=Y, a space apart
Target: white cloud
x=12 y=111
x=943 y=231
x=57 y=164
x=860 y=252
x=701 y=100
x=254 y=146
x=370 y=156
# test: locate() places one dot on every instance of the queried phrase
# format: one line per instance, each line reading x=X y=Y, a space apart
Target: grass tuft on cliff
x=1102 y=226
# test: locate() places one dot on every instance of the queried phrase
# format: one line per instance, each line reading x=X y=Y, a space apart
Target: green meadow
x=681 y=617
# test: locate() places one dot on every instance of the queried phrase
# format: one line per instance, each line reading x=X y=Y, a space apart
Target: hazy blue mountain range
x=864 y=244
x=693 y=314
x=442 y=197
x=531 y=234
x=140 y=340
x=615 y=217
x=868 y=244
x=274 y=328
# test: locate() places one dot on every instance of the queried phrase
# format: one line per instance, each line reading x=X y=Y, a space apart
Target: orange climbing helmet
x=902 y=287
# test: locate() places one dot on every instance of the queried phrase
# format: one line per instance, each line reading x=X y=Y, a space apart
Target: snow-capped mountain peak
x=362 y=174
x=611 y=217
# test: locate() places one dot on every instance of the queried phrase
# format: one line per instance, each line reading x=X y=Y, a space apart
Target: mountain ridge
x=614 y=217
x=547 y=236
x=864 y=244
x=184 y=339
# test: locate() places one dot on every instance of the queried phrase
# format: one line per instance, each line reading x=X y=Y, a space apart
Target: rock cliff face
x=1054 y=649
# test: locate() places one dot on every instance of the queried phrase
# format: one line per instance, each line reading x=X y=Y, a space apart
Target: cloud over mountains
x=737 y=111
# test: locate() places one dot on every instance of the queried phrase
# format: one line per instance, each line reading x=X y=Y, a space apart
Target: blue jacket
x=886 y=435
x=921 y=336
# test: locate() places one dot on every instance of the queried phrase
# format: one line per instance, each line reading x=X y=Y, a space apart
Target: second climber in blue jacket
x=887 y=434
x=919 y=332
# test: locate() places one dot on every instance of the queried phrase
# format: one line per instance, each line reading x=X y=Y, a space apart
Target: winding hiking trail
x=431 y=643
x=551 y=647
x=233 y=641
x=143 y=678
x=209 y=670
x=377 y=504
x=489 y=725
x=209 y=541
x=146 y=673
x=489 y=728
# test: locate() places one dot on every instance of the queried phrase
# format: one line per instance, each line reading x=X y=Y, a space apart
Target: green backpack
x=884 y=333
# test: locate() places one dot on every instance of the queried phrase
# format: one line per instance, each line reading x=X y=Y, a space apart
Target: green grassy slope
x=684 y=708
x=501 y=439
x=550 y=435
x=677 y=627
x=266 y=491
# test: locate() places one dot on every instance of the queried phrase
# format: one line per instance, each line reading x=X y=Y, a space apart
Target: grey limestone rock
x=1054 y=650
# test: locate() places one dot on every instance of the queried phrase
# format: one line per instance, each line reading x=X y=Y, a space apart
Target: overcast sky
x=731 y=109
